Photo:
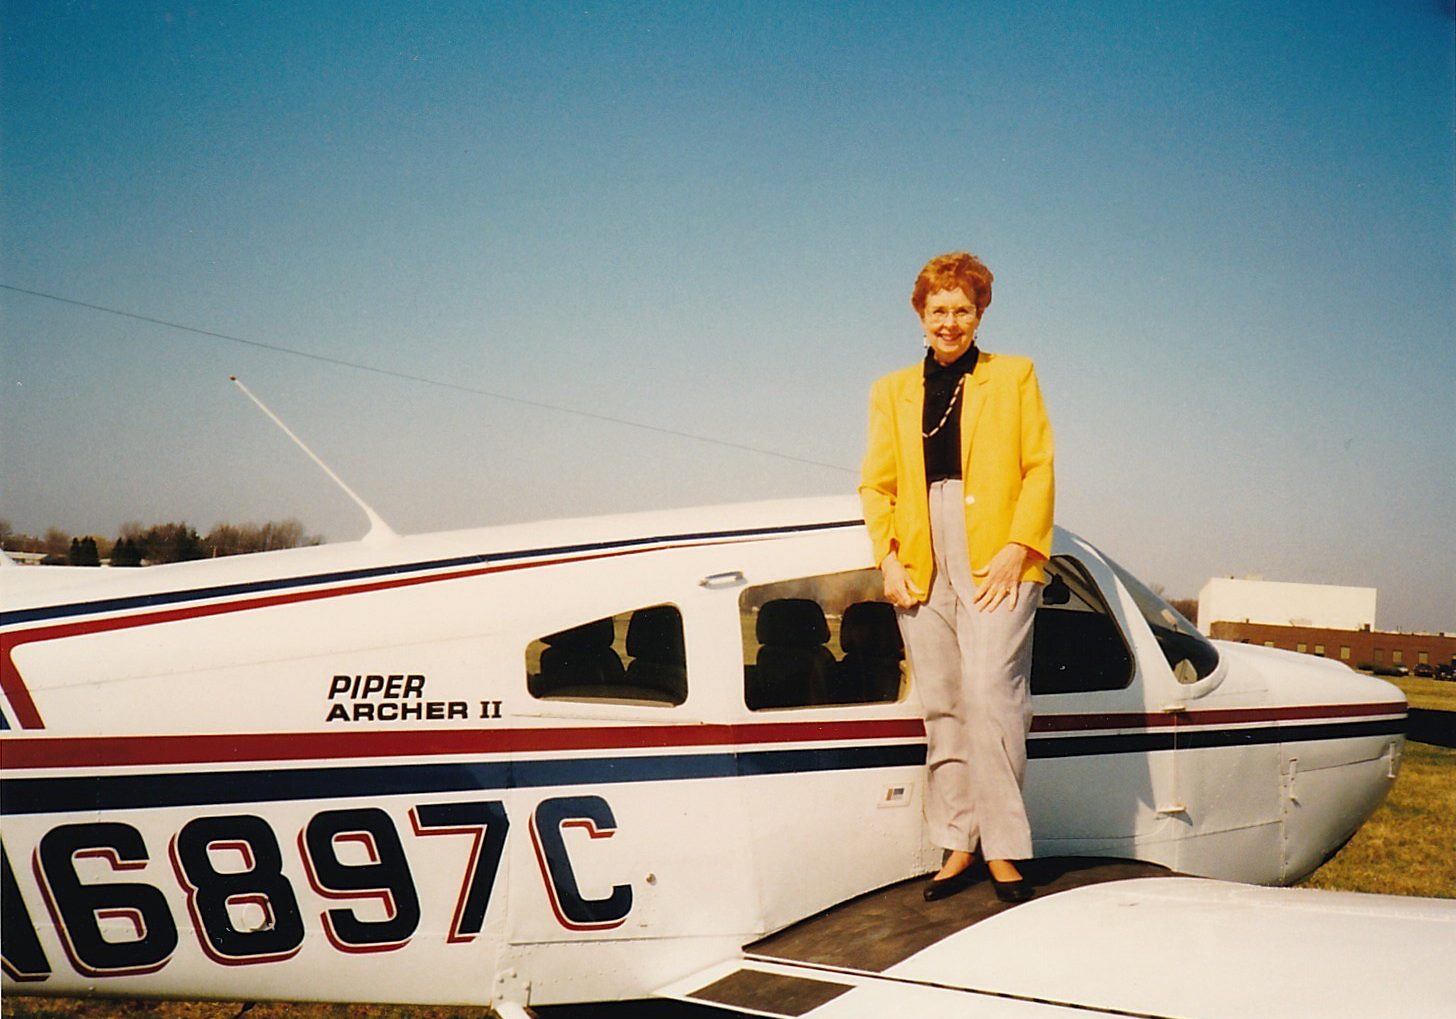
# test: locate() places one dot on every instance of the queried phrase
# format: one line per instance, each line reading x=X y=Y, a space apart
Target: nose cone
x=1339 y=748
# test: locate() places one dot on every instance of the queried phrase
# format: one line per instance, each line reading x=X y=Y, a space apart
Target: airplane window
x=633 y=657
x=1189 y=653
x=816 y=641
x=1076 y=644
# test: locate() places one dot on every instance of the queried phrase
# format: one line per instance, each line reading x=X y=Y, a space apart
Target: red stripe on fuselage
x=113 y=751
x=124 y=751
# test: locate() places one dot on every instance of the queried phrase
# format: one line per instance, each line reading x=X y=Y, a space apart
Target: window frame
x=1140 y=592
x=618 y=646
x=1089 y=580
x=801 y=586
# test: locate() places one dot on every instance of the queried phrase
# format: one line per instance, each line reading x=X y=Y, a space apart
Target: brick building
x=1357 y=648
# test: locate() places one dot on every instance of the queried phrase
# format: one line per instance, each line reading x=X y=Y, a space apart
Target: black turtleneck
x=942 y=381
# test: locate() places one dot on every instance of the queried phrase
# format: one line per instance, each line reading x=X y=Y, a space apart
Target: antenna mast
x=379 y=531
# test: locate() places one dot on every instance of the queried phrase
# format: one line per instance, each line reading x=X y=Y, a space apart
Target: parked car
x=1424 y=670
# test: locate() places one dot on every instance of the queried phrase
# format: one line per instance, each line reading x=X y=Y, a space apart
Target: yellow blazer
x=1006 y=465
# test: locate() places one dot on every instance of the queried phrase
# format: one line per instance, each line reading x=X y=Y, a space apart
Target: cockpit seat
x=794 y=668
x=873 y=650
x=658 y=670
x=579 y=662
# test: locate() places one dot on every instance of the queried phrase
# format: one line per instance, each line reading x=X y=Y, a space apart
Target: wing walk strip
x=724 y=986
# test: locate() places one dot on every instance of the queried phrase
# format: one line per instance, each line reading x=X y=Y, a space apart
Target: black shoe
x=1010 y=891
x=946 y=887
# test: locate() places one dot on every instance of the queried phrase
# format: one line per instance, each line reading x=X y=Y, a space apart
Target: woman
x=957 y=490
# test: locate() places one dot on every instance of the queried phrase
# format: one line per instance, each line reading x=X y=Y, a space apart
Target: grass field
x=1436 y=694
x=1406 y=846
x=1404 y=849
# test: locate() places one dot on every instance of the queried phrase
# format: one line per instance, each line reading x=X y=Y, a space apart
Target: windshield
x=1189 y=653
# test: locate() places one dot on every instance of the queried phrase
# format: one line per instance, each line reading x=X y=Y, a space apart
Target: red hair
x=955 y=271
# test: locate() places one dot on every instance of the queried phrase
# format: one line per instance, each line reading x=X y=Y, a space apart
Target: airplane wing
x=1158 y=948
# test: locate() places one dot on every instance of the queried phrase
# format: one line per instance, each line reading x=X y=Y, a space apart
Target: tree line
x=138 y=545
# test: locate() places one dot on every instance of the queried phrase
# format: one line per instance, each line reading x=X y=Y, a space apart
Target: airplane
x=672 y=754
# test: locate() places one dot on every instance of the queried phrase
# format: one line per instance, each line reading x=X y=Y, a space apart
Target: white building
x=1282 y=604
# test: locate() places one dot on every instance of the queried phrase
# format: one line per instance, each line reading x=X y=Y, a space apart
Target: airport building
x=1370 y=649
x=1317 y=619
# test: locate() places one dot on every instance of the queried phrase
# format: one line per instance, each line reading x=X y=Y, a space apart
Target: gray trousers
x=973 y=671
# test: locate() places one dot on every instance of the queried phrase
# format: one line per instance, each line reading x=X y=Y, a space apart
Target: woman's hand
x=899 y=592
x=1002 y=578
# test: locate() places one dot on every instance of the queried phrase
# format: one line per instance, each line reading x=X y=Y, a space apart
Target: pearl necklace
x=949 y=407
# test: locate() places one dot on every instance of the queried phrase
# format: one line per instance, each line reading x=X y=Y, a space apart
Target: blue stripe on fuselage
x=172 y=789
x=178 y=789
x=1202 y=739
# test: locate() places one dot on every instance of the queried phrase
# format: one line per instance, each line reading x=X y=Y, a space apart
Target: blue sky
x=1223 y=230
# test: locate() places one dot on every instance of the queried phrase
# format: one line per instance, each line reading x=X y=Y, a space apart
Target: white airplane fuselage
x=362 y=773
